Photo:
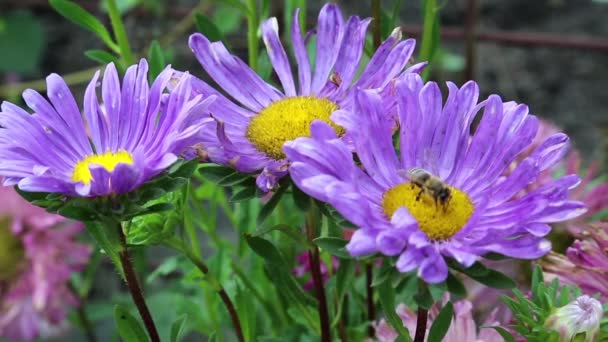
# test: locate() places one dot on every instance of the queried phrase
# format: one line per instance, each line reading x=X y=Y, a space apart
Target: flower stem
x=252 y=34
x=120 y=33
x=377 y=35
x=200 y=264
x=135 y=288
x=315 y=266
x=421 y=324
x=82 y=315
x=371 y=308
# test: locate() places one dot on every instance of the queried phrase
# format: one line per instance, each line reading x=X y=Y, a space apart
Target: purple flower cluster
x=482 y=216
x=39 y=253
x=465 y=178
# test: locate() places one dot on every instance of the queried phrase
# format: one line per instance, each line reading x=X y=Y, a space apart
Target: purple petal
x=277 y=55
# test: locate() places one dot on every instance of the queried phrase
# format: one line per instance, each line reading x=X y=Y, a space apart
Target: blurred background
x=549 y=54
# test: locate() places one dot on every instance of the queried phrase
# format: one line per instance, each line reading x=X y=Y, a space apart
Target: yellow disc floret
x=108 y=161
x=439 y=222
x=286 y=120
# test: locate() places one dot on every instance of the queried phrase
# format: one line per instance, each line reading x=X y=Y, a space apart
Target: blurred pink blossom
x=585 y=263
x=38 y=255
x=303 y=269
x=462 y=328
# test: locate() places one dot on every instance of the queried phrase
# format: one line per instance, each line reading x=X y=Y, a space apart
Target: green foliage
x=207 y=27
x=129 y=328
x=441 y=324
x=22 y=41
x=84 y=19
x=177 y=328
x=531 y=312
x=118 y=208
x=156 y=60
x=484 y=275
x=386 y=294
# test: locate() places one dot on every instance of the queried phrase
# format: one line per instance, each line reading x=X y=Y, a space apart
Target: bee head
x=444 y=195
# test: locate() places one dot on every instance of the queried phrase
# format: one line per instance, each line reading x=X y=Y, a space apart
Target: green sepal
x=119 y=208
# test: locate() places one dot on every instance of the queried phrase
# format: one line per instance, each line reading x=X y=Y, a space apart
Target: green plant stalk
x=270 y=309
x=120 y=33
x=377 y=35
x=135 y=287
x=252 y=34
x=315 y=266
x=202 y=266
x=427 y=45
x=422 y=316
x=188 y=222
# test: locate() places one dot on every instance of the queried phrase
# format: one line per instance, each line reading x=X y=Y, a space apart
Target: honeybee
x=431 y=185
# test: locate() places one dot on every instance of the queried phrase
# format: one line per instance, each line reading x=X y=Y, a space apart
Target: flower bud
x=578 y=320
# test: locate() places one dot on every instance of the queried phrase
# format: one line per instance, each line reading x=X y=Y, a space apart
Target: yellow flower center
x=11 y=251
x=438 y=221
x=288 y=119
x=108 y=161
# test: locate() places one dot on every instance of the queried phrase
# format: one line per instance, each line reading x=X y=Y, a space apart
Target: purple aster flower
x=253 y=128
x=585 y=263
x=136 y=134
x=463 y=327
x=399 y=218
x=37 y=255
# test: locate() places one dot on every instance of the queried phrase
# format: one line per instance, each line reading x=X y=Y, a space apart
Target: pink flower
x=462 y=328
x=38 y=254
x=585 y=263
x=304 y=269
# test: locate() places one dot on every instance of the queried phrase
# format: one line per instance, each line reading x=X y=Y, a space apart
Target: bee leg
x=419 y=194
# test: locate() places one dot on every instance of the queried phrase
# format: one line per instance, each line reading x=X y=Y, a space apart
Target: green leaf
x=333 y=245
x=265 y=249
x=301 y=199
x=160 y=207
x=101 y=56
x=156 y=59
x=22 y=42
x=206 y=26
x=244 y=194
x=507 y=336
x=81 y=17
x=226 y=19
x=456 y=287
x=441 y=324
x=386 y=294
x=234 y=179
x=269 y=207
x=129 y=328
x=387 y=269
x=424 y=297
x=292 y=232
x=486 y=276
x=537 y=278
x=344 y=277
x=177 y=328
x=215 y=172
x=239 y=5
